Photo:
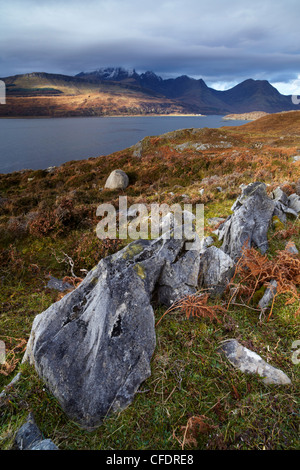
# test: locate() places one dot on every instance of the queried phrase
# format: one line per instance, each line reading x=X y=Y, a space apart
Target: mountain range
x=112 y=91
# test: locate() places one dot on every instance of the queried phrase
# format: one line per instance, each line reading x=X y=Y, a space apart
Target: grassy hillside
x=194 y=398
x=40 y=94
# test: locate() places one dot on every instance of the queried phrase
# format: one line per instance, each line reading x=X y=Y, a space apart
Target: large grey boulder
x=93 y=348
x=251 y=363
x=118 y=179
x=249 y=223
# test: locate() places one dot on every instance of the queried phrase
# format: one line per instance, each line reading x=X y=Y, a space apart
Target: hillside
x=194 y=398
x=40 y=94
x=109 y=92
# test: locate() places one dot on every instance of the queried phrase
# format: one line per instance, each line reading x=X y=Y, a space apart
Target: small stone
x=294 y=202
x=28 y=435
x=213 y=221
x=249 y=362
x=268 y=296
x=280 y=196
x=118 y=179
x=291 y=248
x=58 y=284
x=45 y=444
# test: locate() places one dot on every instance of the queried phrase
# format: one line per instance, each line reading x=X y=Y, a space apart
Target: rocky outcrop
x=251 y=363
x=249 y=223
x=285 y=205
x=118 y=179
x=93 y=348
x=216 y=270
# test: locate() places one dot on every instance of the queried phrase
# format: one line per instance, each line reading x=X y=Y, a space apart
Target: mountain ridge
x=141 y=93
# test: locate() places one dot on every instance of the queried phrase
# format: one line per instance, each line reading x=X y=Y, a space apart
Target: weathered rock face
x=249 y=362
x=249 y=223
x=118 y=179
x=93 y=348
x=285 y=205
x=216 y=270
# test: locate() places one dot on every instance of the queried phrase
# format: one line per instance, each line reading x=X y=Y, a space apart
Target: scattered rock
x=50 y=169
x=118 y=179
x=296 y=158
x=291 y=248
x=93 y=347
x=268 y=296
x=29 y=437
x=213 y=221
x=249 y=362
x=294 y=203
x=137 y=149
x=58 y=284
x=285 y=205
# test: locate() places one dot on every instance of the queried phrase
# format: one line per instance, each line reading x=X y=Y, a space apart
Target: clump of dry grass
x=195 y=426
x=195 y=305
x=254 y=271
x=12 y=354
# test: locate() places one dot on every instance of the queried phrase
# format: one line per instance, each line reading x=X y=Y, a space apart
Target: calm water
x=40 y=143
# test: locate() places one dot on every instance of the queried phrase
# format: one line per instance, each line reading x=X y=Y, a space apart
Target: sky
x=222 y=42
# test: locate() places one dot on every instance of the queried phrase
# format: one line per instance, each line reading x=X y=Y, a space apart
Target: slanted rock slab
x=249 y=223
x=93 y=347
x=251 y=363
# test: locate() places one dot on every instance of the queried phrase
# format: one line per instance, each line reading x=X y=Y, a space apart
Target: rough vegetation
x=194 y=398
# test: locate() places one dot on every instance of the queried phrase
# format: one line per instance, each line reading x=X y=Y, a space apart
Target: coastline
x=106 y=116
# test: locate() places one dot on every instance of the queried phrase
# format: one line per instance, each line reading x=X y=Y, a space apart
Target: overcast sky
x=223 y=42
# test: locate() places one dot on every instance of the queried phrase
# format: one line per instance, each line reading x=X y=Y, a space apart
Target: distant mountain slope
x=287 y=123
x=111 y=91
x=256 y=95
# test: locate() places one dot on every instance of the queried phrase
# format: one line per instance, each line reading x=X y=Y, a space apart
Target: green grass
x=189 y=377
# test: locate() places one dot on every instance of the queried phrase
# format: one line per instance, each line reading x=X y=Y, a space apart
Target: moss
x=140 y=270
x=132 y=250
x=258 y=295
x=277 y=224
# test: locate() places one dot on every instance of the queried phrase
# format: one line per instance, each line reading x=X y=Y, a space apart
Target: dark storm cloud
x=216 y=40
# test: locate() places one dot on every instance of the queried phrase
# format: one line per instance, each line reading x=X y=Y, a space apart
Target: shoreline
x=108 y=116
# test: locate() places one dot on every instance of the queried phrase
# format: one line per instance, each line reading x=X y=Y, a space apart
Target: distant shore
x=252 y=116
x=106 y=116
